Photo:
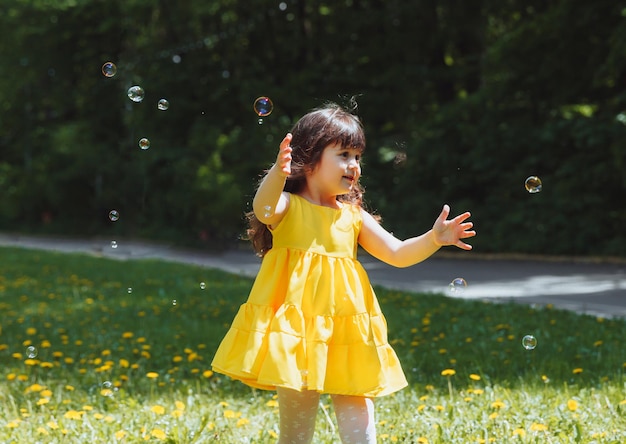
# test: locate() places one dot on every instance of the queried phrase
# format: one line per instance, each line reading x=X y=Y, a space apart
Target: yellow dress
x=312 y=320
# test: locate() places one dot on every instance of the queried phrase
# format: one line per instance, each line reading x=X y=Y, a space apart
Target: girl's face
x=338 y=170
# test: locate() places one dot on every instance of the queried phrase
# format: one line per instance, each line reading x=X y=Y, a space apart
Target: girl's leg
x=297 y=415
x=355 y=418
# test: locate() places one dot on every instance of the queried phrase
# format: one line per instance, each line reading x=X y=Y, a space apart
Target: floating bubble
x=260 y=121
x=114 y=215
x=263 y=106
x=113 y=244
x=533 y=184
x=529 y=342
x=458 y=285
x=202 y=285
x=109 y=69
x=144 y=143
x=129 y=290
x=107 y=389
x=163 y=104
x=31 y=352
x=174 y=302
x=136 y=93
x=268 y=211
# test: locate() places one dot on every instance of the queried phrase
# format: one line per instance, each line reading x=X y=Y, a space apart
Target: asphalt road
x=596 y=288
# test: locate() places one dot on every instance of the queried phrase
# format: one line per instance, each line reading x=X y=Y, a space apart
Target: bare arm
x=403 y=253
x=270 y=203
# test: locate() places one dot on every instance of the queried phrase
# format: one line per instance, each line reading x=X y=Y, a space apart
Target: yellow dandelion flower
x=158 y=434
x=158 y=409
x=537 y=427
x=45 y=344
x=11 y=376
x=69 y=388
x=519 y=432
x=421 y=407
x=46 y=365
x=127 y=334
x=497 y=404
x=119 y=435
x=231 y=414
x=272 y=403
x=422 y=440
x=207 y=373
x=439 y=408
x=474 y=377
x=124 y=363
x=152 y=375
x=57 y=354
x=572 y=405
x=52 y=425
x=622 y=402
x=42 y=431
x=22 y=378
x=177 y=359
x=69 y=360
x=177 y=413
x=577 y=371
x=46 y=393
x=242 y=422
x=223 y=404
x=87 y=407
x=43 y=401
x=13 y=424
x=494 y=415
x=448 y=372
x=73 y=414
x=273 y=434
x=98 y=415
x=34 y=388
x=30 y=331
x=31 y=361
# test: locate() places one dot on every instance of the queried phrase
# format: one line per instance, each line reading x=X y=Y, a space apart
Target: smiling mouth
x=350 y=178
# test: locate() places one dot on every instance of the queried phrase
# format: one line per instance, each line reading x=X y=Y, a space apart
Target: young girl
x=312 y=323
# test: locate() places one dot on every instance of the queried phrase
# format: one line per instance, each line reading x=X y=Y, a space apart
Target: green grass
x=102 y=327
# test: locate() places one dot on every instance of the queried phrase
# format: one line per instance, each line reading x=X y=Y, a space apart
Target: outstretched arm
x=403 y=253
x=270 y=203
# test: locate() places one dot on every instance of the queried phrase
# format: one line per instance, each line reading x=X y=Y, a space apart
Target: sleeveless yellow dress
x=312 y=320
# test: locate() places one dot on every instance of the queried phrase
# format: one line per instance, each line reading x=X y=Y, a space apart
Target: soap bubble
x=31 y=352
x=163 y=104
x=202 y=285
x=533 y=184
x=529 y=342
x=263 y=106
x=114 y=244
x=144 y=143
x=107 y=389
x=458 y=285
x=114 y=215
x=136 y=93
x=174 y=302
x=109 y=69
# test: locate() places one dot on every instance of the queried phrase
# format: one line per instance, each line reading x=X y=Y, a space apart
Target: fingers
x=284 y=155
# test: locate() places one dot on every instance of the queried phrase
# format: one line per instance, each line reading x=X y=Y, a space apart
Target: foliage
x=461 y=102
x=95 y=350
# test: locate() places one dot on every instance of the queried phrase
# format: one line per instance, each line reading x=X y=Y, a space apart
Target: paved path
x=595 y=288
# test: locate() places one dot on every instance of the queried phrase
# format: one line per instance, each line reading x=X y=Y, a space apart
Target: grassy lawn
x=95 y=350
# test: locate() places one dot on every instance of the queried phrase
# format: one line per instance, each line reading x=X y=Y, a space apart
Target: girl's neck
x=317 y=198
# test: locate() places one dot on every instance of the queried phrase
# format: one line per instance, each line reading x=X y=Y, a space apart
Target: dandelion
x=52 y=425
x=577 y=371
x=497 y=404
x=538 y=427
x=572 y=405
x=231 y=414
x=73 y=414
x=494 y=415
x=422 y=440
x=152 y=375
x=449 y=372
x=42 y=431
x=207 y=373
x=242 y=422
x=519 y=432
x=119 y=435
x=127 y=335
x=158 y=409
x=158 y=434
x=474 y=377
x=43 y=401
x=272 y=403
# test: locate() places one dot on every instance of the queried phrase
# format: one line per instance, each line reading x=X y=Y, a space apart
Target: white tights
x=298 y=410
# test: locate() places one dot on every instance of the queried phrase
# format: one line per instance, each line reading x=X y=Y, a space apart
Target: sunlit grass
x=97 y=350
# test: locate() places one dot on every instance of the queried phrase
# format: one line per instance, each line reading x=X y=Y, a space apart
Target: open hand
x=283 y=161
x=450 y=232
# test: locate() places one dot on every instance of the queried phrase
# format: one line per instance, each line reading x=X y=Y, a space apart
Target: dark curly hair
x=324 y=126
